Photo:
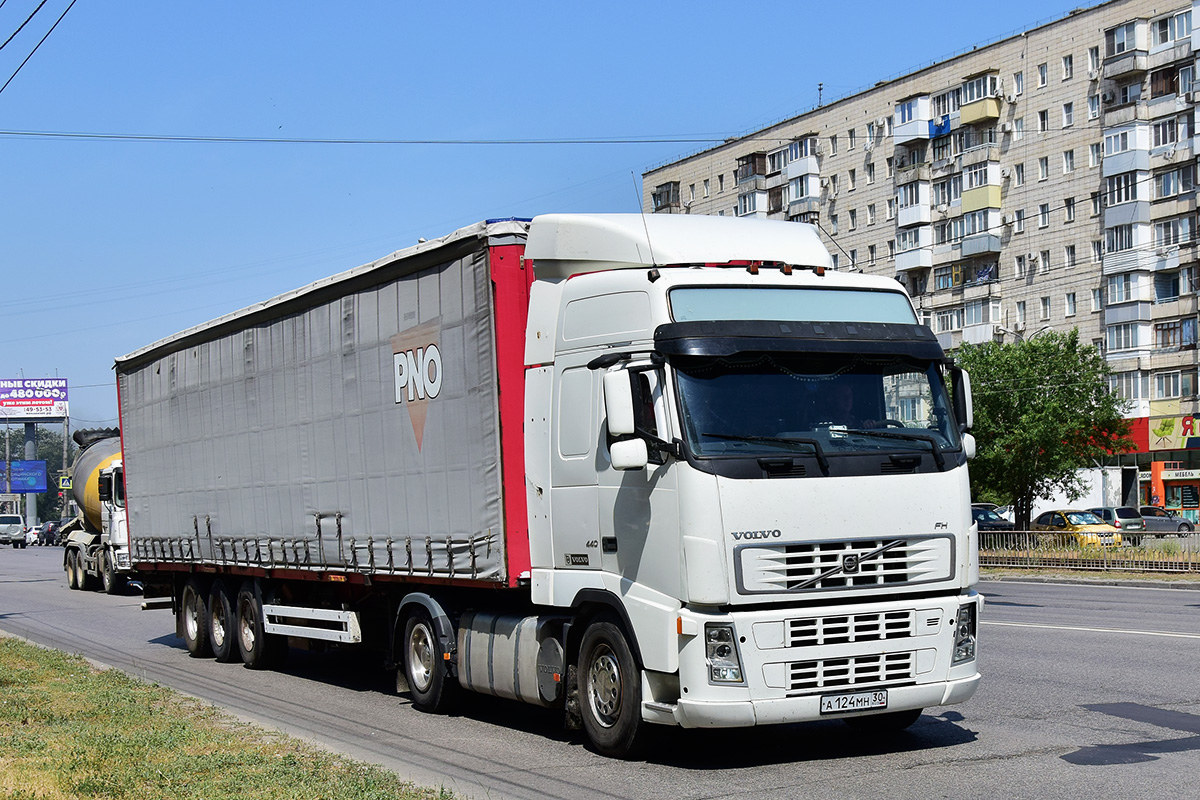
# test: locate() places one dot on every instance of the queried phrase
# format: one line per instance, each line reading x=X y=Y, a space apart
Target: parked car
x=988 y=506
x=1126 y=519
x=31 y=535
x=12 y=530
x=1159 y=520
x=1077 y=526
x=989 y=520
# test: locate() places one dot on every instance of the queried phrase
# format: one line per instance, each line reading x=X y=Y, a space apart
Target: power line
x=23 y=24
x=148 y=137
x=38 y=45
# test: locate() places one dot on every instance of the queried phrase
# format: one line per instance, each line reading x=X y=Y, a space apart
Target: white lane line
x=1091 y=630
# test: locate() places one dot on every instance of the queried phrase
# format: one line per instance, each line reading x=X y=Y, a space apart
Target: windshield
x=754 y=404
x=809 y=305
x=1083 y=518
x=986 y=515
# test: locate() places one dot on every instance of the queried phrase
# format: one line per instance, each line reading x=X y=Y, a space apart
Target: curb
x=1137 y=583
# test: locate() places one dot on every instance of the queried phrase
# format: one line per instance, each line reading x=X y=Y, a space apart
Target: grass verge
x=69 y=730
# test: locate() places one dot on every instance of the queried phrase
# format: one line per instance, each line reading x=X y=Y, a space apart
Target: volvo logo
x=850 y=564
x=737 y=535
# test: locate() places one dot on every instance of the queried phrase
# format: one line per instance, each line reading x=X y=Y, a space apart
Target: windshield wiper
x=816 y=446
x=907 y=434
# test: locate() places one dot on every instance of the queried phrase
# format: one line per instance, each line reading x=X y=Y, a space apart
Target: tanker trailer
x=97 y=542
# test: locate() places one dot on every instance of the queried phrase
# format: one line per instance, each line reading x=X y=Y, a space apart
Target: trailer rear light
x=720 y=648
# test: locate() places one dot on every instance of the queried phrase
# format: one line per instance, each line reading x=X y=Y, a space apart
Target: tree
x=1043 y=410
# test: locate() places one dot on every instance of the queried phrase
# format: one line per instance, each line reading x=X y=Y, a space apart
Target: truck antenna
x=645 y=225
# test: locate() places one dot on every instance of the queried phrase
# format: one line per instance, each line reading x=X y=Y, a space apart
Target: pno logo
x=417 y=368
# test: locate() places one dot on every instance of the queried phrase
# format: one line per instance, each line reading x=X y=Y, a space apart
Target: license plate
x=857 y=701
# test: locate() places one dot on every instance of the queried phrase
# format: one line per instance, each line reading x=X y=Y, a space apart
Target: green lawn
x=69 y=730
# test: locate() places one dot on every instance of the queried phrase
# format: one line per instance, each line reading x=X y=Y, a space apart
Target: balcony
x=980 y=152
x=912 y=172
x=917 y=258
x=1131 y=62
x=982 y=110
x=666 y=198
x=980 y=243
x=1127 y=161
x=1133 y=260
x=913 y=215
x=808 y=165
x=980 y=334
x=1132 y=213
x=1134 y=311
x=751 y=168
x=980 y=197
x=804 y=205
x=1115 y=116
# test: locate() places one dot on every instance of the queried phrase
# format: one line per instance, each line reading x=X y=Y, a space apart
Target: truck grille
x=854 y=628
x=844 y=564
x=852 y=672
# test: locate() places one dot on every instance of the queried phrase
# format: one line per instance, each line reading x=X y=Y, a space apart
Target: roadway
x=1088 y=691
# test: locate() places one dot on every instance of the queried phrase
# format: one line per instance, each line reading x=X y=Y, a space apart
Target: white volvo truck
x=663 y=470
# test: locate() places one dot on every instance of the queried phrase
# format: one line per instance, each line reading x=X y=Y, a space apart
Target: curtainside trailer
x=669 y=470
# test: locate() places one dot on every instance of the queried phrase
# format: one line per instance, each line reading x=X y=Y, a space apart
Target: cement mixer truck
x=97 y=542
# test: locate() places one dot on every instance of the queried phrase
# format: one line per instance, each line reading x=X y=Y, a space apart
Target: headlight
x=720 y=647
x=964 y=634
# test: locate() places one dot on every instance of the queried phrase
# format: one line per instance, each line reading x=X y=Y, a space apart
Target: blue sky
x=106 y=246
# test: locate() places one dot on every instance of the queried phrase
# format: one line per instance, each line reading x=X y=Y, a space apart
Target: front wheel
x=431 y=688
x=109 y=579
x=891 y=722
x=1184 y=528
x=72 y=569
x=610 y=690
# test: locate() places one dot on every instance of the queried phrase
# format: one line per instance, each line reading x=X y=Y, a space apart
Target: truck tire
x=86 y=581
x=222 y=627
x=891 y=722
x=73 y=569
x=109 y=579
x=610 y=690
x=423 y=663
x=259 y=649
x=193 y=619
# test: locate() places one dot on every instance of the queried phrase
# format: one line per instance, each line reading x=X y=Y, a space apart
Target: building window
x=1093 y=106
x=1177 y=333
x=1097 y=252
x=853 y=258
x=1020 y=312
x=1069 y=255
x=890 y=164
x=1096 y=204
x=1130 y=385
x=1044 y=215
x=1120 y=188
x=1175 y=181
x=1043 y=118
x=748 y=203
x=1018 y=129
x=891 y=208
x=870 y=173
x=1068 y=67
x=1172 y=28
x=851 y=139
x=1122 y=337
x=949 y=319
x=1094 y=154
x=852 y=180
x=975 y=176
x=1019 y=83
x=1043 y=74
x=1045 y=308
x=1019 y=174
x=1069 y=209
x=1097 y=299
x=891 y=247
x=1129 y=93
x=871 y=214
x=1068 y=161
x=979 y=88
x=1019 y=221
x=1173 y=232
x=1118 y=238
x=853 y=219
x=1120 y=288
x=1093 y=59
x=1116 y=143
x=1119 y=39
x=833 y=224
x=1070 y=304
x=1164 y=133
x=706 y=180
x=666 y=196
x=1043 y=168
x=833 y=184
x=909 y=194
x=943 y=277
x=871 y=254
x=1068 y=115
x=1020 y=270
x=1044 y=258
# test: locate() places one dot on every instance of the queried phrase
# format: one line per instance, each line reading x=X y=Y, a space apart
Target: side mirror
x=968 y=442
x=964 y=407
x=618 y=403
x=629 y=454
x=104 y=488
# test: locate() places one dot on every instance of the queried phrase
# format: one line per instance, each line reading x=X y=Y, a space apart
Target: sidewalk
x=1150 y=580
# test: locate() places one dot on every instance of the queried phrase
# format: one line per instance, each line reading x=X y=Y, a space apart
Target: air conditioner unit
x=1163 y=252
x=881 y=123
x=1107 y=97
x=868 y=145
x=1019 y=327
x=824 y=183
x=1169 y=155
x=1005 y=172
x=1009 y=219
x=942 y=208
x=1012 y=99
x=1190 y=97
x=1032 y=258
x=1006 y=127
x=1093 y=74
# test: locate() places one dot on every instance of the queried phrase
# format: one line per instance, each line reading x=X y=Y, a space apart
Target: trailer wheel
x=891 y=722
x=430 y=686
x=193 y=614
x=109 y=579
x=610 y=690
x=259 y=649
x=73 y=569
x=222 y=630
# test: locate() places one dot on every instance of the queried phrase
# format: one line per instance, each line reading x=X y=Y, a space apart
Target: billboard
x=27 y=477
x=32 y=398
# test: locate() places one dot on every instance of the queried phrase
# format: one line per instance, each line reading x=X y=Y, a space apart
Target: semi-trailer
x=648 y=470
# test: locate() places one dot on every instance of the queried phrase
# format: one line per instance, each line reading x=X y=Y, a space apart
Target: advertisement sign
x=33 y=398
x=1175 y=433
x=27 y=477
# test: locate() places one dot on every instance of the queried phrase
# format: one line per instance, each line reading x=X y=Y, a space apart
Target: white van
x=12 y=530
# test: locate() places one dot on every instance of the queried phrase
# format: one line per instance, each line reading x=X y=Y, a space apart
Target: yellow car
x=1078 y=527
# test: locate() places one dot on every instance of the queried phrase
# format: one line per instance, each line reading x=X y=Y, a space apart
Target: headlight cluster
x=964 y=634
x=720 y=647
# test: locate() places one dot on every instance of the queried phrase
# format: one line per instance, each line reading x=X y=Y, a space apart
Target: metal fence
x=1149 y=553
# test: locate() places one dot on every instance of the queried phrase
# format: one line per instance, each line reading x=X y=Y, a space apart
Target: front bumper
x=792 y=657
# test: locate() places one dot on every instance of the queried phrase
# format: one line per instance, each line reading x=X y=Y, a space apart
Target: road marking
x=1092 y=630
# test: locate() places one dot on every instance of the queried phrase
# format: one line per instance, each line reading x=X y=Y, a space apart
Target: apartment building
x=1044 y=182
